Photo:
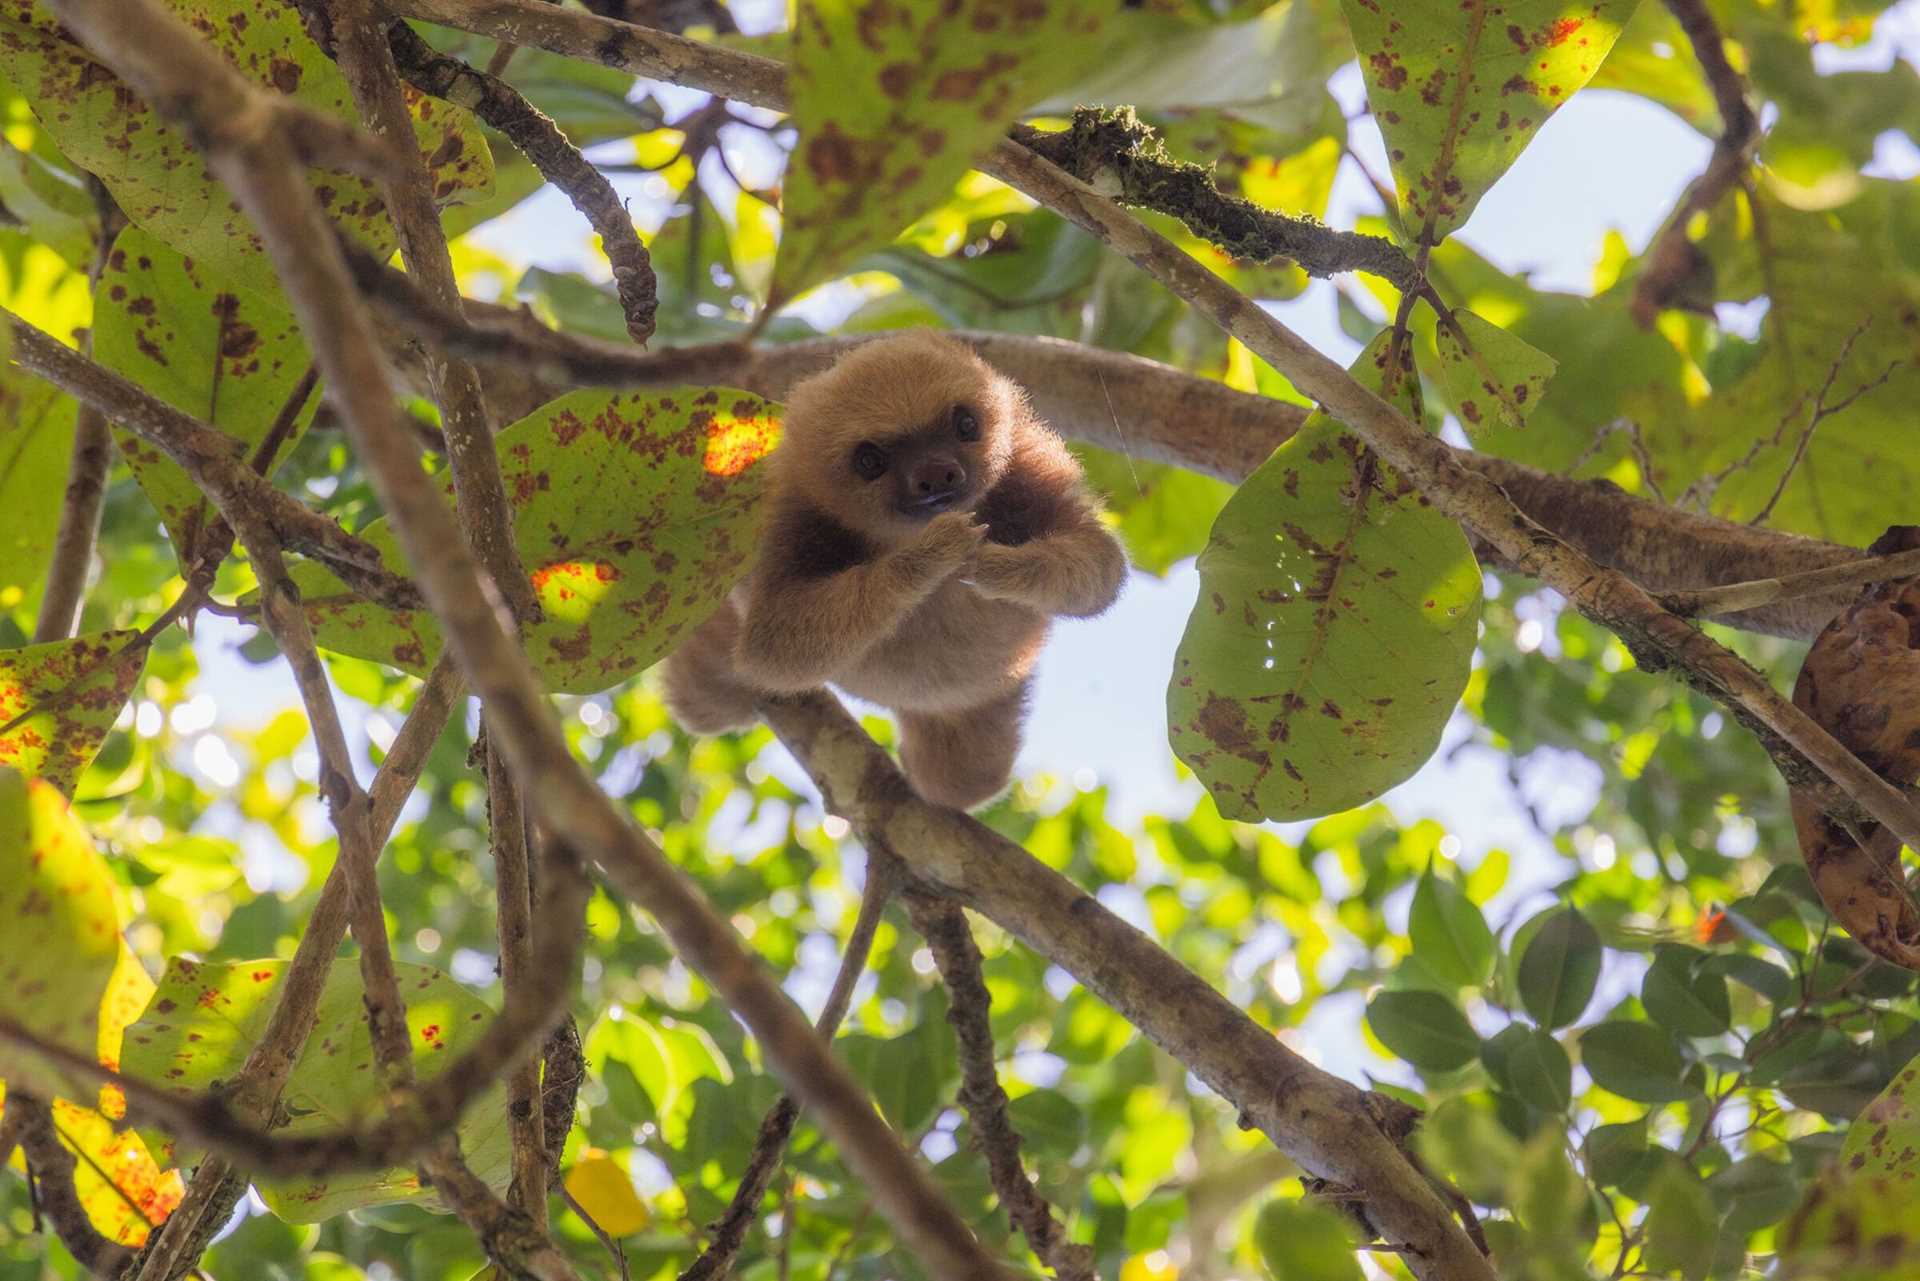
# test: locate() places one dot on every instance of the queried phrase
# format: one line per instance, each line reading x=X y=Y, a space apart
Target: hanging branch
x=1671 y=260
x=505 y=108
x=726 y=1234
x=944 y=926
x=513 y=897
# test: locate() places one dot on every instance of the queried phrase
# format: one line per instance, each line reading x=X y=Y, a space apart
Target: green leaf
x=634 y=513
x=63 y=916
x=1540 y=1071
x=1303 y=1241
x=1424 y=1028
x=1886 y=1138
x=1049 y=1123
x=1859 y=1218
x=895 y=100
x=205 y=1018
x=1683 y=1000
x=667 y=1059
x=78 y=687
x=1559 y=969
x=904 y=1078
x=1460 y=88
x=229 y=358
x=1636 y=1061
x=1757 y=1191
x=36 y=446
x=155 y=172
x=1681 y=1222
x=1614 y=1152
x=1449 y=934
x=1334 y=629
x=1764 y=977
x=1490 y=372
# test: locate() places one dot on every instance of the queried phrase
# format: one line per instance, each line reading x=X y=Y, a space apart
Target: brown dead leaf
x=1861 y=682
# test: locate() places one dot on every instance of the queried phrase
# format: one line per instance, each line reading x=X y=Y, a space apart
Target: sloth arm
x=823 y=596
x=1046 y=546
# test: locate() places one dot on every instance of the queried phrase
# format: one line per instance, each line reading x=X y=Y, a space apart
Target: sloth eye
x=869 y=460
x=965 y=425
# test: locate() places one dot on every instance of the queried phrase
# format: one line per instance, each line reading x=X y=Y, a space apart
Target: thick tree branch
x=1311 y=1115
x=53 y=1166
x=166 y=64
x=1657 y=637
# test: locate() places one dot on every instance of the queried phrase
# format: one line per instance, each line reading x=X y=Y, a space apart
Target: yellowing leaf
x=70 y=692
x=895 y=98
x=1490 y=373
x=601 y=1186
x=124 y=1191
x=63 y=919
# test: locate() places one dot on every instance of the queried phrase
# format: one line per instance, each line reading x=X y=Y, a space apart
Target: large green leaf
x=1461 y=86
x=895 y=98
x=1424 y=1028
x=1335 y=625
x=1560 y=968
x=157 y=174
x=230 y=358
x=634 y=513
x=63 y=917
x=71 y=692
x=1859 y=1220
x=205 y=1018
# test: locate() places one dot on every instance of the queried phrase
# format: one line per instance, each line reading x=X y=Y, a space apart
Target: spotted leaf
x=123 y=1189
x=1332 y=636
x=230 y=357
x=205 y=1018
x=63 y=915
x=157 y=175
x=634 y=513
x=64 y=696
x=1461 y=86
x=1491 y=375
x=895 y=98
x=36 y=444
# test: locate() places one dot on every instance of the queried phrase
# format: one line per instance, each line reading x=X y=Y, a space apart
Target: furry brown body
x=923 y=530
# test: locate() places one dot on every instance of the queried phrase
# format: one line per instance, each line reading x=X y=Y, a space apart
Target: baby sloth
x=923 y=528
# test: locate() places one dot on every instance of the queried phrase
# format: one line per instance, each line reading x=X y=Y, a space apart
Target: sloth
x=923 y=527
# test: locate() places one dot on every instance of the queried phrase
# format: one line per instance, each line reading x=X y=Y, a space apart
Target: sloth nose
x=935 y=475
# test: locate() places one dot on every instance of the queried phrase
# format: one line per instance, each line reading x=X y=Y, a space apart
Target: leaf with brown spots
x=1861 y=682
x=1461 y=86
x=63 y=919
x=122 y=1188
x=895 y=98
x=73 y=691
x=155 y=172
x=1491 y=376
x=1335 y=625
x=634 y=513
x=229 y=357
x=1859 y=1222
x=204 y=1018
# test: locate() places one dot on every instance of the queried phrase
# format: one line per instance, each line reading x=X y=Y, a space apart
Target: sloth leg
x=963 y=759
x=703 y=692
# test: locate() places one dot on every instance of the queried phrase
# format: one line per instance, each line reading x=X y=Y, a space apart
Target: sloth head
x=898 y=431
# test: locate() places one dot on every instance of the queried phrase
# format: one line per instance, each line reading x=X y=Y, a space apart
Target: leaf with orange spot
x=1461 y=86
x=634 y=513
x=205 y=1018
x=894 y=99
x=1490 y=375
x=1334 y=630
x=122 y=1188
x=155 y=172
x=229 y=357
x=70 y=692
x=63 y=918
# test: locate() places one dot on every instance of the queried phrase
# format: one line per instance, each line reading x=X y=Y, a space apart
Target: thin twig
x=513 y=895
x=1709 y=602
x=727 y=1233
x=505 y=108
x=944 y=926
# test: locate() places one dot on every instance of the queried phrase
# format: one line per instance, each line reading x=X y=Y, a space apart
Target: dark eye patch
x=869 y=461
x=965 y=425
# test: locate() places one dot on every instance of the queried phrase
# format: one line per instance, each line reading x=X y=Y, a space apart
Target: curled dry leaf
x=1861 y=682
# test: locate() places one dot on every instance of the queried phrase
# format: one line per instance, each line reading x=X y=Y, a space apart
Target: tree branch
x=52 y=1167
x=1314 y=1117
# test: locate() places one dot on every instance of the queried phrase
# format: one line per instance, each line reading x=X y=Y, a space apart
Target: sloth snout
x=936 y=475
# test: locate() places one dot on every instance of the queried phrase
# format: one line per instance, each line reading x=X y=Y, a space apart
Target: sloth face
x=899 y=431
